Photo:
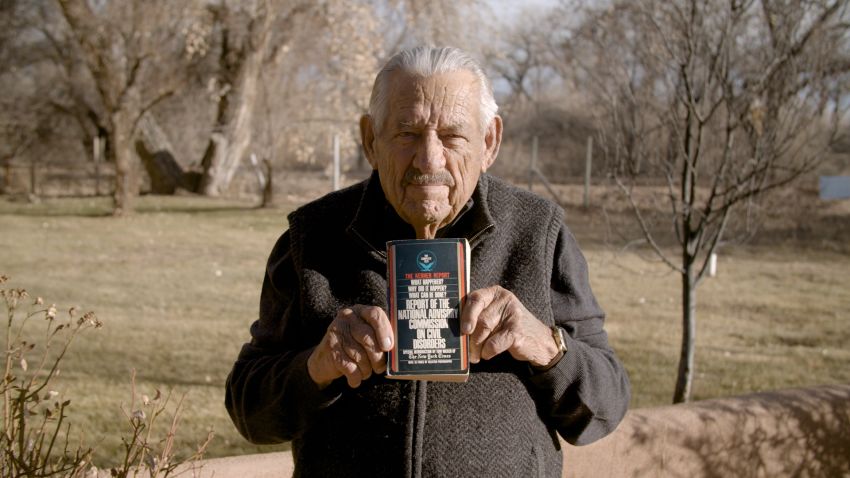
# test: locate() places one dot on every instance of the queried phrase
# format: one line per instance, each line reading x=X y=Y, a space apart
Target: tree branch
x=645 y=228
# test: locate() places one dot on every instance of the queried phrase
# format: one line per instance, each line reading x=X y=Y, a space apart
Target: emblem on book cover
x=426 y=260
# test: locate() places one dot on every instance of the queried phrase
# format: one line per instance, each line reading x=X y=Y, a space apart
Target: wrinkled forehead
x=446 y=98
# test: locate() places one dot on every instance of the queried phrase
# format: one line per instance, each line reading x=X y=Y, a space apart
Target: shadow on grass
x=88 y=206
x=198 y=210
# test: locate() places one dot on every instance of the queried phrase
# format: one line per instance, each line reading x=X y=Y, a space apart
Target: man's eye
x=407 y=134
x=452 y=137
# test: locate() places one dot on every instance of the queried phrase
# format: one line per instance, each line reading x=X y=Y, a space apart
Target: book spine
x=391 y=302
x=462 y=290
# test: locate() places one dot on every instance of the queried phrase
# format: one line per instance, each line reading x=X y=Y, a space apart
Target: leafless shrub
x=35 y=439
x=35 y=434
x=147 y=454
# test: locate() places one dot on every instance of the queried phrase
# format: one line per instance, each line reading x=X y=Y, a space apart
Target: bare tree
x=30 y=122
x=724 y=101
x=133 y=51
x=520 y=59
x=15 y=136
x=281 y=75
x=251 y=35
x=265 y=49
x=408 y=23
x=70 y=93
x=319 y=83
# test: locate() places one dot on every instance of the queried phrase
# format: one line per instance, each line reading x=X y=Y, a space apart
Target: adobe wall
x=800 y=432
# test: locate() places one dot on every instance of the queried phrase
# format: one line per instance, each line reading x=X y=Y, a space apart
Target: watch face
x=560 y=339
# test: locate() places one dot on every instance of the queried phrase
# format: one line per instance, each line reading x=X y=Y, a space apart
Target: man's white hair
x=427 y=61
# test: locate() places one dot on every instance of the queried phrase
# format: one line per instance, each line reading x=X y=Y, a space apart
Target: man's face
x=431 y=149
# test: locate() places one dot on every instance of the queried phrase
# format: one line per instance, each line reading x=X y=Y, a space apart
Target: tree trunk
x=126 y=184
x=156 y=154
x=232 y=137
x=268 y=188
x=33 y=180
x=685 y=376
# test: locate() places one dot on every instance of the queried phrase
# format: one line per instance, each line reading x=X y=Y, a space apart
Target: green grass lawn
x=177 y=286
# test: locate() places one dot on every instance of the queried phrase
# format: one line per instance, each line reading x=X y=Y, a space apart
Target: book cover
x=427 y=280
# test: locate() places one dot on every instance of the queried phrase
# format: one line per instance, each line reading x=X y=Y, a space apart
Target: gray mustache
x=418 y=178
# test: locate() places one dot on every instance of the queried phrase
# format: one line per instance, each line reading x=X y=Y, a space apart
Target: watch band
x=559 y=336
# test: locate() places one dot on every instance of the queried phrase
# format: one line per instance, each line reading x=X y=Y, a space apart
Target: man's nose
x=430 y=155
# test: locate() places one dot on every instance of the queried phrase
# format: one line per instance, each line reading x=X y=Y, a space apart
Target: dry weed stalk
x=35 y=438
x=144 y=455
x=35 y=435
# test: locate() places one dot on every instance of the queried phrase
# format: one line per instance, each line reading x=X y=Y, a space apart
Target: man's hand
x=353 y=345
x=496 y=321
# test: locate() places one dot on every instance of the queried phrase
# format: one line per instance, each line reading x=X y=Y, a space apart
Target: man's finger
x=497 y=343
x=381 y=367
x=358 y=356
x=475 y=302
x=487 y=325
x=349 y=357
x=474 y=352
x=490 y=318
x=365 y=336
x=377 y=318
x=342 y=362
x=353 y=376
x=361 y=331
x=349 y=368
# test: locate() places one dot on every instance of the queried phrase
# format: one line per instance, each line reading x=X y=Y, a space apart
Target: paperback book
x=427 y=280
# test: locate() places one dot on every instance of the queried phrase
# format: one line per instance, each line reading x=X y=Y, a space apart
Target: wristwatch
x=560 y=340
x=559 y=336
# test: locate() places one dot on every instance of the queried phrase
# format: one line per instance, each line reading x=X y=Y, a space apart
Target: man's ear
x=367 y=139
x=492 y=142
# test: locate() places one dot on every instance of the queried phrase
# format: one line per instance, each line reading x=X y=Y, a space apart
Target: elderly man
x=314 y=370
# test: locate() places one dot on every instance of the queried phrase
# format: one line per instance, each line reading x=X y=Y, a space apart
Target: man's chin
x=427 y=212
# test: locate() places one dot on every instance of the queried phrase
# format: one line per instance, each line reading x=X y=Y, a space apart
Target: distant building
x=834 y=187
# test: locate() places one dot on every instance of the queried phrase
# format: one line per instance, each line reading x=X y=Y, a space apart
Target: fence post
x=712 y=265
x=587 y=167
x=268 y=191
x=533 y=168
x=261 y=178
x=336 y=162
x=97 y=151
x=33 y=179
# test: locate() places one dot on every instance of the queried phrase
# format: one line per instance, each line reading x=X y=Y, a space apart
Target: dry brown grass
x=177 y=287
